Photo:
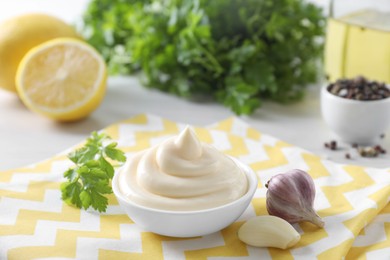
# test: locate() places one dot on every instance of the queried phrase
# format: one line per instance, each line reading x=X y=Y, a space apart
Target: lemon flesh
x=64 y=79
x=19 y=34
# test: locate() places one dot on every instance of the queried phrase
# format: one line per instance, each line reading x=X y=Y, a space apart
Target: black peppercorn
x=359 y=88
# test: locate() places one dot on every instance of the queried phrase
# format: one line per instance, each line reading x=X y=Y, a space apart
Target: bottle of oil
x=358 y=43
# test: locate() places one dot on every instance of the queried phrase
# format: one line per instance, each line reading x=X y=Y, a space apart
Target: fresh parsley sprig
x=89 y=180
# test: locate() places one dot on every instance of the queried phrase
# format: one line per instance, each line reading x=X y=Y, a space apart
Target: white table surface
x=26 y=137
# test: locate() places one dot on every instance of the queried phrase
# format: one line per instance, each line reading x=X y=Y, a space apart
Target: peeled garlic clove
x=268 y=231
x=291 y=195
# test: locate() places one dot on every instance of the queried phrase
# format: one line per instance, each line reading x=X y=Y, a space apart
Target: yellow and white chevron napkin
x=36 y=224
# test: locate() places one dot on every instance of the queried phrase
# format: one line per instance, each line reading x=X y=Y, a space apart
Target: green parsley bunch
x=239 y=52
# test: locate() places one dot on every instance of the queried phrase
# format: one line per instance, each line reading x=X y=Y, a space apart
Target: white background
x=27 y=138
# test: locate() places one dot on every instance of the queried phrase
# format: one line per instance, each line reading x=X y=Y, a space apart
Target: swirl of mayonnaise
x=182 y=174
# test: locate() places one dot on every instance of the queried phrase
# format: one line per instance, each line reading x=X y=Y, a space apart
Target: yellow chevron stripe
x=337 y=201
x=203 y=134
x=238 y=146
x=151 y=248
x=112 y=199
x=381 y=198
x=316 y=168
x=359 y=252
x=66 y=240
x=276 y=157
x=339 y=250
x=311 y=233
x=27 y=220
x=141 y=119
x=225 y=125
x=358 y=222
x=362 y=232
x=280 y=254
x=386 y=209
x=42 y=167
x=110 y=225
x=169 y=128
x=112 y=131
x=360 y=178
x=233 y=246
x=36 y=191
x=65 y=250
x=258 y=205
x=141 y=144
x=335 y=194
x=252 y=133
x=109 y=254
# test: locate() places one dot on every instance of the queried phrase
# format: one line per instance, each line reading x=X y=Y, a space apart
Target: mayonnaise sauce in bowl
x=182 y=174
x=184 y=188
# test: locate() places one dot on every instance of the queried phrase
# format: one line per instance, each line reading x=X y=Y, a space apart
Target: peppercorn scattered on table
x=351 y=200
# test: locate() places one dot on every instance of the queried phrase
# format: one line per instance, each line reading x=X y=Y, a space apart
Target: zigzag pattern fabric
x=36 y=224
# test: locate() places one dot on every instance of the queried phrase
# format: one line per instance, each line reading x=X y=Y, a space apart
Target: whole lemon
x=19 y=34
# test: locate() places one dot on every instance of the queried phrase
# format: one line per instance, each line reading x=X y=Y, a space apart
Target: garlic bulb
x=268 y=231
x=291 y=195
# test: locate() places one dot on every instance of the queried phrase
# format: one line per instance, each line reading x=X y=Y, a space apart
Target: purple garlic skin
x=291 y=196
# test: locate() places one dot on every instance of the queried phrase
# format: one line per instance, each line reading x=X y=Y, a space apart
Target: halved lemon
x=64 y=79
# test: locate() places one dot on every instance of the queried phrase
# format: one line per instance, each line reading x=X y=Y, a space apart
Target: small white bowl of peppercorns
x=357 y=110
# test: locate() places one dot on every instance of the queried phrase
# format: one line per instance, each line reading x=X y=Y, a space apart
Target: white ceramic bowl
x=188 y=223
x=355 y=121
